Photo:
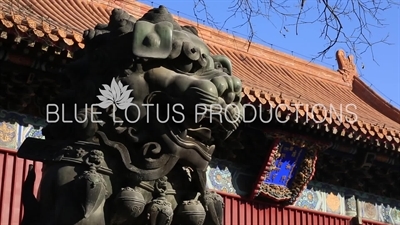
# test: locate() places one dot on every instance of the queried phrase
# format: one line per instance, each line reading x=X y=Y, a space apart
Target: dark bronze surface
x=143 y=172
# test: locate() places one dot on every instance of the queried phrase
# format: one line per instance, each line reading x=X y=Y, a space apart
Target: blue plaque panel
x=286 y=165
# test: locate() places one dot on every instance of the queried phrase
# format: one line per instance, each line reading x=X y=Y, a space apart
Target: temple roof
x=269 y=77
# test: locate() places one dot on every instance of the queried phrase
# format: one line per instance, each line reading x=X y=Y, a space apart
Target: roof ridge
x=273 y=56
x=382 y=105
x=322 y=76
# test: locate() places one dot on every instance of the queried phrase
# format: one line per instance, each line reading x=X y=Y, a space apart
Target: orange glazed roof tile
x=269 y=77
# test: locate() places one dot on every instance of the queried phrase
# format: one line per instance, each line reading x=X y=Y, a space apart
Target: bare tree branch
x=345 y=22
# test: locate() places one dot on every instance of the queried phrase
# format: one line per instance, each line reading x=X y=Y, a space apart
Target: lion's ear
x=152 y=40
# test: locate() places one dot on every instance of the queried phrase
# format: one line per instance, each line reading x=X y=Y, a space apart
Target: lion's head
x=170 y=67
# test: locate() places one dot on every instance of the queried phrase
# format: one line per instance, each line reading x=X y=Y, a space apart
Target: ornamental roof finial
x=347 y=67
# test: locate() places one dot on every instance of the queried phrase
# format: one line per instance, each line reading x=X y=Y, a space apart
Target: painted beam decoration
x=22 y=119
x=288 y=169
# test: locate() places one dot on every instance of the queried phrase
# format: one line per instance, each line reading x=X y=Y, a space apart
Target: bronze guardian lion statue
x=135 y=151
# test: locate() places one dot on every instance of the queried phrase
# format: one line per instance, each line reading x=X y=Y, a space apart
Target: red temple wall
x=13 y=171
x=238 y=211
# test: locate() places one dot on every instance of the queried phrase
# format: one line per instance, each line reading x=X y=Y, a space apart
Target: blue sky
x=383 y=75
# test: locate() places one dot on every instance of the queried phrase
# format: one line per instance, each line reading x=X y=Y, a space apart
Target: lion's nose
x=228 y=87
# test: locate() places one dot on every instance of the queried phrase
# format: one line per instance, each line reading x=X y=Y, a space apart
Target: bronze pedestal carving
x=135 y=151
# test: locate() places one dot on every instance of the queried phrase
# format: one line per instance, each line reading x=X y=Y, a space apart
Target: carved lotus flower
x=116 y=94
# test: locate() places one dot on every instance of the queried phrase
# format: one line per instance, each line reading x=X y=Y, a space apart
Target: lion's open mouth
x=201 y=136
x=201 y=126
x=199 y=139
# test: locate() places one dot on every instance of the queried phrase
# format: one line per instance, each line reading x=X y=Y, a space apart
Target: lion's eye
x=217 y=66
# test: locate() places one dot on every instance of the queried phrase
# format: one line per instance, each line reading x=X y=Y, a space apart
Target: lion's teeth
x=183 y=134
